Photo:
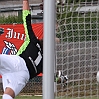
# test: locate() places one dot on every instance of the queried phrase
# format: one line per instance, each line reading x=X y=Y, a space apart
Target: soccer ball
x=61 y=78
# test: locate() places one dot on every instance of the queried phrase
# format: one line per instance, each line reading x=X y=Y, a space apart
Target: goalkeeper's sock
x=6 y=96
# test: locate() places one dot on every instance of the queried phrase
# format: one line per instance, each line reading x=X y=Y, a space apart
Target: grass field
x=39 y=97
x=27 y=97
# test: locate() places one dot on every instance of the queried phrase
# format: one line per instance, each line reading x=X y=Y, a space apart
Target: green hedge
x=10 y=19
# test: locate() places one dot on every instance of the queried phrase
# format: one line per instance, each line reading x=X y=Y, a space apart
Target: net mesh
x=77 y=55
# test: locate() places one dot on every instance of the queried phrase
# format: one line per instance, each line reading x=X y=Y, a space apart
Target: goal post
x=49 y=49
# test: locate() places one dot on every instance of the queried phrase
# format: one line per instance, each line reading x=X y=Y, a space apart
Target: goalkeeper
x=16 y=70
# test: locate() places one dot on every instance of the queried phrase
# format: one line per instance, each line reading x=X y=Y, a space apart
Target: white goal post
x=77 y=55
x=49 y=50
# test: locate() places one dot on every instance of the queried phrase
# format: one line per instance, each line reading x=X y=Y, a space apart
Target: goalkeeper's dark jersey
x=31 y=50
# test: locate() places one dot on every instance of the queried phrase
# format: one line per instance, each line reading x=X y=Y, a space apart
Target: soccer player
x=16 y=70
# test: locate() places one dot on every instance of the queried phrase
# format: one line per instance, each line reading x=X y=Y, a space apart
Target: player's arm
x=27 y=20
x=26 y=5
x=27 y=26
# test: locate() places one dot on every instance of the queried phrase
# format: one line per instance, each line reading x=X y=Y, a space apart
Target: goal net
x=77 y=54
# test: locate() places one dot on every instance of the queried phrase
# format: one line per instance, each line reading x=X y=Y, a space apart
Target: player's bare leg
x=8 y=94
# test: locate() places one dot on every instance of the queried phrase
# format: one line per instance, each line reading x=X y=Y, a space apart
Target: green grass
x=39 y=97
x=27 y=97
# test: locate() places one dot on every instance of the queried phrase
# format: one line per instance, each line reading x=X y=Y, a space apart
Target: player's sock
x=6 y=96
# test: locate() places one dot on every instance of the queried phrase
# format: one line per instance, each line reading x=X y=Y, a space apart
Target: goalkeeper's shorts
x=14 y=72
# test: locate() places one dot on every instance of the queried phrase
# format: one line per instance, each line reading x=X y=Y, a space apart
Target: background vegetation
x=10 y=19
x=74 y=26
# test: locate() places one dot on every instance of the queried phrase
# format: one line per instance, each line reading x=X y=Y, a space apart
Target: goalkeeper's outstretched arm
x=26 y=5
